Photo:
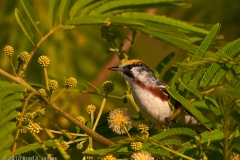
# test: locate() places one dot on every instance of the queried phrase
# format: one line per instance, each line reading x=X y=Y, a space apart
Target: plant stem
x=59 y=94
x=14 y=71
x=100 y=112
x=21 y=119
x=125 y=128
x=100 y=94
x=89 y=131
x=39 y=43
x=73 y=134
x=172 y=151
x=130 y=98
x=46 y=77
x=92 y=121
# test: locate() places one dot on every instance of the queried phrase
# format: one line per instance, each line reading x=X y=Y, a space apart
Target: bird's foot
x=169 y=122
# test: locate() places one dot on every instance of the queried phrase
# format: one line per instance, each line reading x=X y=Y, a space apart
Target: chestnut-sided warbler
x=151 y=96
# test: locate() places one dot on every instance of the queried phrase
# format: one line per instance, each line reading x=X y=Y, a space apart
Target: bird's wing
x=162 y=86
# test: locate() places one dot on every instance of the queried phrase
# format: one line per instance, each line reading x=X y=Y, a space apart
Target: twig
x=39 y=43
x=99 y=113
x=21 y=119
x=89 y=131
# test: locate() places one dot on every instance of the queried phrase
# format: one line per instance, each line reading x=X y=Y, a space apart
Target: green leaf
x=208 y=101
x=53 y=5
x=79 y=6
x=170 y=142
x=86 y=10
x=9 y=107
x=227 y=90
x=186 y=104
x=9 y=89
x=34 y=146
x=158 y=151
x=103 y=19
x=64 y=4
x=176 y=41
x=66 y=27
x=140 y=4
x=169 y=74
x=184 y=26
x=173 y=131
x=5 y=119
x=202 y=50
x=162 y=64
x=214 y=135
x=31 y=15
x=24 y=25
x=215 y=70
x=10 y=94
x=6 y=132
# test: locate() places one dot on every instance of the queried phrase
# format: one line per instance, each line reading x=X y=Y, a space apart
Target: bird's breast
x=152 y=103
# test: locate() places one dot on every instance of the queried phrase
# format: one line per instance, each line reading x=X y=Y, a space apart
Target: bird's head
x=133 y=70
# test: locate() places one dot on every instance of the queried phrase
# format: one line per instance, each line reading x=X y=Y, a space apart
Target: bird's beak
x=116 y=68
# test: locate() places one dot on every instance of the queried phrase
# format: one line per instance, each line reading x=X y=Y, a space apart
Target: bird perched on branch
x=152 y=98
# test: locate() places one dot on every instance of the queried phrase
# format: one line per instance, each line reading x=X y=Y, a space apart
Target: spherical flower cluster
x=118 y=120
x=108 y=87
x=29 y=115
x=90 y=108
x=109 y=157
x=142 y=155
x=144 y=131
x=65 y=145
x=144 y=134
x=43 y=92
x=71 y=82
x=34 y=127
x=8 y=50
x=81 y=119
x=43 y=61
x=41 y=111
x=53 y=84
x=89 y=157
x=234 y=157
x=24 y=56
x=136 y=146
x=80 y=145
x=143 y=127
x=24 y=129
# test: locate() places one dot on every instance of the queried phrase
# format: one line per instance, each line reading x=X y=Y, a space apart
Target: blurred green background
x=81 y=53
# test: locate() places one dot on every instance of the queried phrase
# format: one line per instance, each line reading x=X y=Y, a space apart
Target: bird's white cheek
x=151 y=107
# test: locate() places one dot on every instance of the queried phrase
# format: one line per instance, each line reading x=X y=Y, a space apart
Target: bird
x=152 y=98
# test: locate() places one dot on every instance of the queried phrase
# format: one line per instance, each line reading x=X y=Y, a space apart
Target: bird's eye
x=129 y=67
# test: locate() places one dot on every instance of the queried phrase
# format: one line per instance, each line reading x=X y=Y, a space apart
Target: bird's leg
x=170 y=120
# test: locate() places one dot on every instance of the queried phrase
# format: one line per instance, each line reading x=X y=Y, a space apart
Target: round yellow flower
x=65 y=145
x=90 y=108
x=81 y=119
x=24 y=56
x=43 y=61
x=34 y=127
x=108 y=87
x=8 y=50
x=118 y=119
x=109 y=157
x=142 y=155
x=143 y=127
x=43 y=92
x=136 y=146
x=71 y=82
x=53 y=84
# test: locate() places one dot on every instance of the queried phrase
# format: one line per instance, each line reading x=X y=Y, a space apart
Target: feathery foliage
x=206 y=77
